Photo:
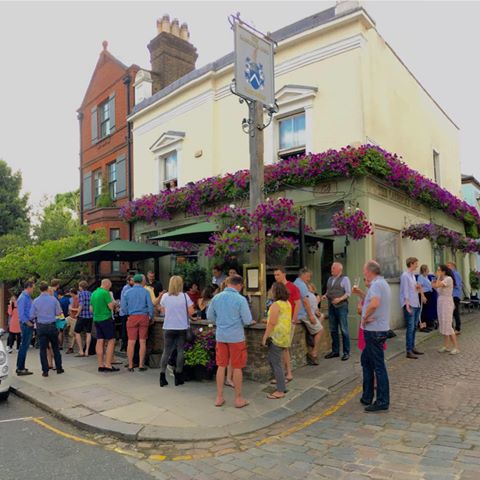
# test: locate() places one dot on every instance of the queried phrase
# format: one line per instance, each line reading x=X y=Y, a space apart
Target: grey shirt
x=381 y=316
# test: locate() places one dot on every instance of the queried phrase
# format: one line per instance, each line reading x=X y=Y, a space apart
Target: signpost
x=254 y=84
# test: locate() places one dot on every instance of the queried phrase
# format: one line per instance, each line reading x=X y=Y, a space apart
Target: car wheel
x=4 y=395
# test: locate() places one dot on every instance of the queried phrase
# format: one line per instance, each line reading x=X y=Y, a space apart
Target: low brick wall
x=258 y=368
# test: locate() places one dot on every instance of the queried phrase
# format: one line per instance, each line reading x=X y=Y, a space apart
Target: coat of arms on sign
x=254 y=73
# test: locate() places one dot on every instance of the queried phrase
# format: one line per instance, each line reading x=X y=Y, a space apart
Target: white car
x=5 y=375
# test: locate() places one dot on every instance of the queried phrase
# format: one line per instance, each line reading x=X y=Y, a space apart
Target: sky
x=48 y=51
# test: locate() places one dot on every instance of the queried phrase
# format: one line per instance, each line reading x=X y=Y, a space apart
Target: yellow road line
x=40 y=422
x=326 y=413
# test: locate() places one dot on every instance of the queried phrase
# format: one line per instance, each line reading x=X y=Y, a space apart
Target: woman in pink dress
x=445 y=307
x=14 y=332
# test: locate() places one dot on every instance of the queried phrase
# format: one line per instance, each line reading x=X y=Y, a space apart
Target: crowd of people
x=59 y=318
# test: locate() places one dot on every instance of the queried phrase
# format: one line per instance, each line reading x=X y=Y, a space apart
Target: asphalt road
x=29 y=451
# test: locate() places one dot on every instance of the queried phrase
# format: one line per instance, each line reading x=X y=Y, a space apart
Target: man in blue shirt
x=230 y=312
x=410 y=303
x=375 y=322
x=457 y=295
x=137 y=305
x=45 y=308
x=26 y=326
x=122 y=314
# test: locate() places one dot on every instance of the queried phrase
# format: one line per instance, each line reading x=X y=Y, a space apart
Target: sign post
x=254 y=84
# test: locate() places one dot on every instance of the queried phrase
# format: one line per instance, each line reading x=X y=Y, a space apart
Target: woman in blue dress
x=428 y=300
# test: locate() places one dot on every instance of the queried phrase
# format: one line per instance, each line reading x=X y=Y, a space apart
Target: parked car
x=5 y=374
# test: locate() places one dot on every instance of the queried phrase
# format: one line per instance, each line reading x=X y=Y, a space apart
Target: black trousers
x=47 y=333
x=456 y=314
x=11 y=339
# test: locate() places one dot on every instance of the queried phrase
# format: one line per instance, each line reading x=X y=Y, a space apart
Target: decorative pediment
x=167 y=140
x=295 y=94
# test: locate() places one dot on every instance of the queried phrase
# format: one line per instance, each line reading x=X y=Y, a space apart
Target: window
x=292 y=135
x=97 y=184
x=170 y=170
x=387 y=252
x=103 y=119
x=324 y=213
x=112 y=180
x=115 y=235
x=436 y=166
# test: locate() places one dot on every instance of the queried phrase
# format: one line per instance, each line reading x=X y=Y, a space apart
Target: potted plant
x=200 y=356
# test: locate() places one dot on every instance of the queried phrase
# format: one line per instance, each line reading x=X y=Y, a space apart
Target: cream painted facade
x=342 y=74
x=352 y=89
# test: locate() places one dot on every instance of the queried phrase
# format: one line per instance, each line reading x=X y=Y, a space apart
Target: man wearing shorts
x=84 y=320
x=230 y=312
x=137 y=305
x=101 y=305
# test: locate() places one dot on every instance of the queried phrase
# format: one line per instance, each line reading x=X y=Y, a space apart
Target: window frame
x=97 y=175
x=293 y=150
x=112 y=182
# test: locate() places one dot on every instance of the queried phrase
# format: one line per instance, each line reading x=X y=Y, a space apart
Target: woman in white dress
x=445 y=306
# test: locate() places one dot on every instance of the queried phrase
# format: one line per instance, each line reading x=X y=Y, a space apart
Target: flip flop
x=220 y=404
x=243 y=405
x=271 y=396
x=231 y=385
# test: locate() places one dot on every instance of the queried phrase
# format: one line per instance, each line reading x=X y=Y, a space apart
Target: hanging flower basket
x=351 y=223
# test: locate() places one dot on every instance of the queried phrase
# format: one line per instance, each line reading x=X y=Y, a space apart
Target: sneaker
x=443 y=349
x=9 y=349
x=454 y=351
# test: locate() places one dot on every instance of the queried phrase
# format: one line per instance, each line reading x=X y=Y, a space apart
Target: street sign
x=254 y=74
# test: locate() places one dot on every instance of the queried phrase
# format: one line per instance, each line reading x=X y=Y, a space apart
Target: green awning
x=201 y=232
x=196 y=233
x=120 y=250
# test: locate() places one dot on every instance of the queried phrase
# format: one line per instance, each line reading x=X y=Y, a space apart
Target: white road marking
x=20 y=419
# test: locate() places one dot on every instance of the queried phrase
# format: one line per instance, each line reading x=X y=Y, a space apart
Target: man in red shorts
x=230 y=312
x=138 y=306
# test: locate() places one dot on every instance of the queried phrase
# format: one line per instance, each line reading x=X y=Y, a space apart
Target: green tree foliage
x=59 y=219
x=44 y=260
x=13 y=205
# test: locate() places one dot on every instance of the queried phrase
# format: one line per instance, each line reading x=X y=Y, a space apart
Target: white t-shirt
x=176 y=317
x=312 y=299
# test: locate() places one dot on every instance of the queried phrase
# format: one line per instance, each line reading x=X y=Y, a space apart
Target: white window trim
x=291 y=99
x=167 y=143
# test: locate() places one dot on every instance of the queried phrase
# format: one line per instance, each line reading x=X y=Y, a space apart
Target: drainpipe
x=80 y=123
x=127 y=82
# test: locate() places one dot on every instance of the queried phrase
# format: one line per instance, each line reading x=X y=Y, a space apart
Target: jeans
x=173 y=339
x=456 y=314
x=373 y=365
x=339 y=317
x=27 y=333
x=411 y=319
x=47 y=333
x=275 y=357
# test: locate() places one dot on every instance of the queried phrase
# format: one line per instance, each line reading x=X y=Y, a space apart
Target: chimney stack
x=171 y=54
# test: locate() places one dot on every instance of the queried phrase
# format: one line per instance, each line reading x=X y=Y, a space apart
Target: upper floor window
x=170 y=170
x=291 y=135
x=97 y=184
x=436 y=167
x=103 y=119
x=324 y=214
x=112 y=180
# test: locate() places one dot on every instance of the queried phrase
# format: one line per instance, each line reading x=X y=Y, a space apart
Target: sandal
x=229 y=384
x=272 y=396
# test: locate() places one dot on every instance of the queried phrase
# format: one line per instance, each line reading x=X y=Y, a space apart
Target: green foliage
x=44 y=260
x=475 y=280
x=191 y=272
x=471 y=229
x=59 y=219
x=197 y=355
x=13 y=206
x=104 y=200
x=10 y=241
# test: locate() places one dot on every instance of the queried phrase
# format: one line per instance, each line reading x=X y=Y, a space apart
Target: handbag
x=190 y=335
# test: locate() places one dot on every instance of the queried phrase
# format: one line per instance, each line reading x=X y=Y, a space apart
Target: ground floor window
x=386 y=251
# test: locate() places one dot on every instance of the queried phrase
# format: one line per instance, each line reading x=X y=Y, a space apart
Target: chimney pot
x=184 y=33
x=165 y=24
x=105 y=45
x=175 y=27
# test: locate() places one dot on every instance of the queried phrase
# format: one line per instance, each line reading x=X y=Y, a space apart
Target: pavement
x=132 y=406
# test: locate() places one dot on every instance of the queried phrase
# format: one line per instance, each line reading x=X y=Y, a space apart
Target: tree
x=44 y=260
x=59 y=219
x=13 y=205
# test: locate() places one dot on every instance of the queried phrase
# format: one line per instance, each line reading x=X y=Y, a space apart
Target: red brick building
x=105 y=139
x=105 y=161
